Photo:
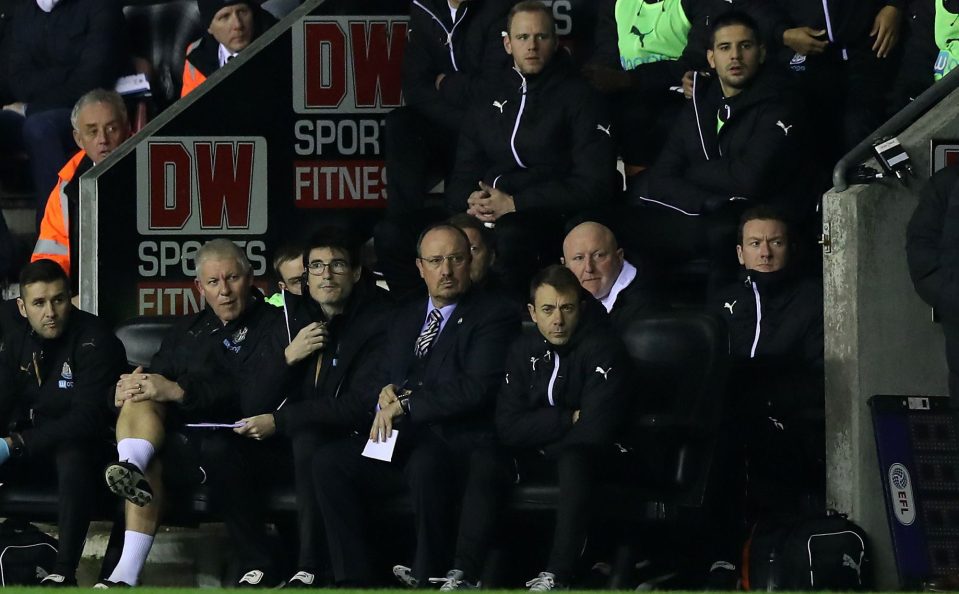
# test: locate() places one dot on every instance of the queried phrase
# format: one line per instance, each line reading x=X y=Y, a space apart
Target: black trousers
x=79 y=485
x=416 y=151
x=239 y=471
x=437 y=475
x=313 y=555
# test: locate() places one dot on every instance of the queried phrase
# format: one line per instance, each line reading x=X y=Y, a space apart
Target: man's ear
x=762 y=53
x=710 y=59
x=76 y=138
x=282 y=286
x=22 y=307
x=739 y=255
x=419 y=266
x=532 y=311
x=506 y=44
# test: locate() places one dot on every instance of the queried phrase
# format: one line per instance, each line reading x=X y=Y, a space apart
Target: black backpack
x=27 y=555
x=826 y=552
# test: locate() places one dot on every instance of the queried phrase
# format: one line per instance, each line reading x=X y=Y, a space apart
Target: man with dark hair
x=57 y=367
x=100 y=125
x=591 y=252
x=289 y=271
x=439 y=374
x=573 y=422
x=231 y=25
x=481 y=249
x=332 y=343
x=775 y=387
x=216 y=366
x=535 y=148
x=736 y=142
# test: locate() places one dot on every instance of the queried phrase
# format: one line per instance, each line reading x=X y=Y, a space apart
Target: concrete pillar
x=880 y=338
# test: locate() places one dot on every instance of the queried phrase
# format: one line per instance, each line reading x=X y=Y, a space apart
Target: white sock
x=138 y=452
x=136 y=547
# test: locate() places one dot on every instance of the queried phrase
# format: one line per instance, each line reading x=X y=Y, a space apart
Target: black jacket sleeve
x=601 y=405
x=520 y=422
x=470 y=167
x=935 y=279
x=99 y=359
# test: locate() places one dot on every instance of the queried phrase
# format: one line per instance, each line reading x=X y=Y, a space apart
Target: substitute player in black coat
x=57 y=368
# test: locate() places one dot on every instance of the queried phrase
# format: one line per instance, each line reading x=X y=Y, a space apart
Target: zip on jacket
x=449 y=32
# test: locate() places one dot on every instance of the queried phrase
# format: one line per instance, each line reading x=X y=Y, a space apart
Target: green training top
x=947 y=40
x=650 y=32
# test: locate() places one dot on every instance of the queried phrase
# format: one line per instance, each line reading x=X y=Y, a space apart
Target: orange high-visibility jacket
x=54 y=240
x=192 y=77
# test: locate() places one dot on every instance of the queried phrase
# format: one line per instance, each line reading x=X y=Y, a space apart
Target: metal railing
x=893 y=126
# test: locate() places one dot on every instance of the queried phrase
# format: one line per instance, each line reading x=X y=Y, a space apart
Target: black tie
x=426 y=338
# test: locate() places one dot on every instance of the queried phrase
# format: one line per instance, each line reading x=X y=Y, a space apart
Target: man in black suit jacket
x=441 y=369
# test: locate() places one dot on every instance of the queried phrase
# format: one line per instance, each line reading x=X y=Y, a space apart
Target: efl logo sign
x=348 y=64
x=202 y=186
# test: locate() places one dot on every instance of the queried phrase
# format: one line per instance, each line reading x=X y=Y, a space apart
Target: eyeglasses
x=434 y=262
x=316 y=267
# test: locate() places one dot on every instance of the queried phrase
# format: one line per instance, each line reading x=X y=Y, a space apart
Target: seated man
x=214 y=366
x=775 y=387
x=58 y=50
x=57 y=367
x=739 y=140
x=231 y=26
x=481 y=250
x=590 y=251
x=643 y=49
x=289 y=271
x=338 y=331
x=100 y=125
x=453 y=45
x=442 y=364
x=574 y=421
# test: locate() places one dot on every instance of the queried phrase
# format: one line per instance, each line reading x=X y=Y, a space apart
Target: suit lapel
x=447 y=338
x=405 y=340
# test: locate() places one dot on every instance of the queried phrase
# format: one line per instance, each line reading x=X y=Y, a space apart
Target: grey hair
x=222 y=249
x=111 y=98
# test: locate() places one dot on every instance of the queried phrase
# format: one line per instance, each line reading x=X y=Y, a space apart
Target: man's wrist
x=404 y=401
x=16 y=444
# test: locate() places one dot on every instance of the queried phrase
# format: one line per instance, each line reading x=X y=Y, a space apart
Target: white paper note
x=382 y=450
x=214 y=425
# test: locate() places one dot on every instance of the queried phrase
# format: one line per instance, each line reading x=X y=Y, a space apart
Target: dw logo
x=202 y=185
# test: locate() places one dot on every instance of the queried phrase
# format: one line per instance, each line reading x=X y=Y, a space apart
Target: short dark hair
x=42 y=271
x=763 y=212
x=442 y=225
x=465 y=221
x=334 y=237
x=735 y=17
x=530 y=6
x=557 y=276
x=286 y=253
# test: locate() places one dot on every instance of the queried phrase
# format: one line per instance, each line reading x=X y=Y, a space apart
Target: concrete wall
x=880 y=338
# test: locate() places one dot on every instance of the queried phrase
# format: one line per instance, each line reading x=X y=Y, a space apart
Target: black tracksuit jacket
x=226 y=371
x=544 y=384
x=847 y=22
x=57 y=57
x=468 y=52
x=65 y=385
x=345 y=395
x=932 y=244
x=757 y=155
x=544 y=139
x=775 y=325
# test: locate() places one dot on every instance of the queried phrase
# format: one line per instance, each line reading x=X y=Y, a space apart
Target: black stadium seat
x=141 y=337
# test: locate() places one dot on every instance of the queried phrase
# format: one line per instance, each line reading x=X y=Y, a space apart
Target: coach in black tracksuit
x=452 y=49
x=564 y=394
x=57 y=369
x=739 y=140
x=775 y=320
x=932 y=249
x=332 y=341
x=535 y=149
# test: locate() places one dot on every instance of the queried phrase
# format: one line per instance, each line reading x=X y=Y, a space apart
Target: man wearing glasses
x=443 y=363
x=332 y=341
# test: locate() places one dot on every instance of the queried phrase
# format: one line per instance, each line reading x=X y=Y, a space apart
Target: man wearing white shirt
x=592 y=253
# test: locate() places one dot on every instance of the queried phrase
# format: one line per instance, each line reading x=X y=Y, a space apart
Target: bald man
x=592 y=253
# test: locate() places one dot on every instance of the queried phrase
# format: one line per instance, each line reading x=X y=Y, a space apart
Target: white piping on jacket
x=449 y=32
x=552 y=379
x=759 y=319
x=519 y=116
